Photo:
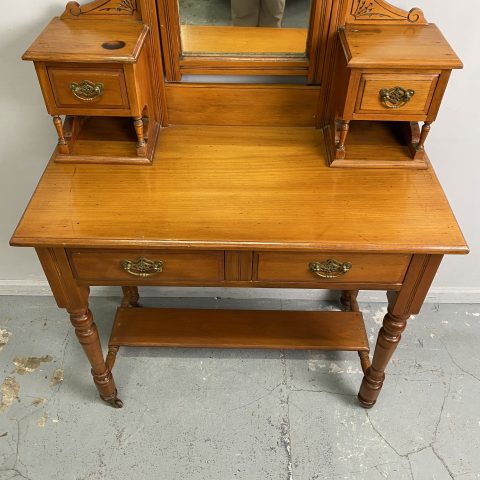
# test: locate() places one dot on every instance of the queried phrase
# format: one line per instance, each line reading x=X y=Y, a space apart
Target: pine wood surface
x=390 y=46
x=250 y=105
x=240 y=188
x=81 y=41
x=238 y=41
x=239 y=329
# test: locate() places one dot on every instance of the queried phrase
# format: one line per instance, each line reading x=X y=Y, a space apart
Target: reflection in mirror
x=231 y=27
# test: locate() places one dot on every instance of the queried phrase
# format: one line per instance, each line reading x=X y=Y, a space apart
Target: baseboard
x=436 y=294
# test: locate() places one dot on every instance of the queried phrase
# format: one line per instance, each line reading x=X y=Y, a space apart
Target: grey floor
x=249 y=415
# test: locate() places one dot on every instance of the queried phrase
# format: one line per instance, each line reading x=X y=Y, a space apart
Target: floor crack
x=285 y=426
x=383 y=438
x=442 y=461
x=269 y=392
x=458 y=365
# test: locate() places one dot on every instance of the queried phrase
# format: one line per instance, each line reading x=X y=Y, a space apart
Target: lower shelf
x=107 y=140
x=375 y=145
x=152 y=327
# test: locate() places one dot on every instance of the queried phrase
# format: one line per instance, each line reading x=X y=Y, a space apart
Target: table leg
x=87 y=334
x=74 y=298
x=401 y=305
x=387 y=341
x=130 y=297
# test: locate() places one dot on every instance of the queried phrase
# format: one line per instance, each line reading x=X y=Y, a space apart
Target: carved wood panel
x=380 y=11
x=120 y=8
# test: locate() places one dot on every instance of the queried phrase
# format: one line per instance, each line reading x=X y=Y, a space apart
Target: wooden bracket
x=380 y=11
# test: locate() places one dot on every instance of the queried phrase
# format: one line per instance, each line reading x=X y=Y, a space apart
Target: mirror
x=244 y=27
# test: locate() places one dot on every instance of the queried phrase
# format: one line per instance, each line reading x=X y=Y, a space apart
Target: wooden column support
x=62 y=143
x=387 y=341
x=87 y=335
x=142 y=144
x=401 y=305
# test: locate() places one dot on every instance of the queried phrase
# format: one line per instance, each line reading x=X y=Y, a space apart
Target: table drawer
x=317 y=267
x=89 y=89
x=143 y=267
x=399 y=94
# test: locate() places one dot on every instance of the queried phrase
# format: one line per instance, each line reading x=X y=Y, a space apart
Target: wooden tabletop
x=390 y=46
x=242 y=188
x=84 y=41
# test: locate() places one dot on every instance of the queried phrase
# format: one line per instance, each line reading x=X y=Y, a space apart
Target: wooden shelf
x=157 y=327
x=109 y=140
x=375 y=144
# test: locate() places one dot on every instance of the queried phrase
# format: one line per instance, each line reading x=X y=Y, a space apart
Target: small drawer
x=398 y=94
x=88 y=88
x=147 y=267
x=318 y=267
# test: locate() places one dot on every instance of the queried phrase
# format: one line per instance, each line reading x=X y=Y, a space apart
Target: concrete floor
x=249 y=415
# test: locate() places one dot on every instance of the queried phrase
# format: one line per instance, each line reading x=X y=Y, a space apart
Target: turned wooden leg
x=62 y=143
x=349 y=300
x=387 y=341
x=87 y=334
x=340 y=152
x=130 y=297
x=142 y=144
x=423 y=136
x=401 y=305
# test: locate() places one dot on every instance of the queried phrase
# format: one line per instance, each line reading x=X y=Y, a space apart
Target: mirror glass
x=244 y=27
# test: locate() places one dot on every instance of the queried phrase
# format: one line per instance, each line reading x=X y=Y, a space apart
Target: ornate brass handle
x=142 y=267
x=331 y=268
x=395 y=97
x=87 y=90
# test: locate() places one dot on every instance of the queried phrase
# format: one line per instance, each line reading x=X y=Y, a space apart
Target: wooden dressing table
x=240 y=194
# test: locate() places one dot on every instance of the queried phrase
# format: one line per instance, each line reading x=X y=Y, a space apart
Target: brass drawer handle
x=330 y=268
x=87 y=90
x=142 y=267
x=395 y=97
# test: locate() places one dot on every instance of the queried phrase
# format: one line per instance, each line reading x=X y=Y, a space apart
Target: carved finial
x=122 y=8
x=380 y=11
x=73 y=8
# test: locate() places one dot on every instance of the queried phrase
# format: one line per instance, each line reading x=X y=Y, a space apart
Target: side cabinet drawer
x=144 y=267
x=88 y=88
x=342 y=268
x=369 y=96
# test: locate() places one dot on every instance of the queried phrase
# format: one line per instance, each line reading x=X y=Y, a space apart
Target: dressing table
x=240 y=188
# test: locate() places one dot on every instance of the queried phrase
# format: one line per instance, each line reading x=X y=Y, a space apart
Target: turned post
x=141 y=144
x=87 y=334
x=387 y=342
x=340 y=153
x=423 y=136
x=62 y=143
x=130 y=297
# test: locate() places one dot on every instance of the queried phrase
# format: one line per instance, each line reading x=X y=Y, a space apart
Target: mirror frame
x=177 y=64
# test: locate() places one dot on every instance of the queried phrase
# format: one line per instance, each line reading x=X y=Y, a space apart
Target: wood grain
x=241 y=188
x=81 y=41
x=220 y=104
x=239 y=329
x=390 y=46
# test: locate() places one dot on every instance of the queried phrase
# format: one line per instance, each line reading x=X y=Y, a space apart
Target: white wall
x=27 y=137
